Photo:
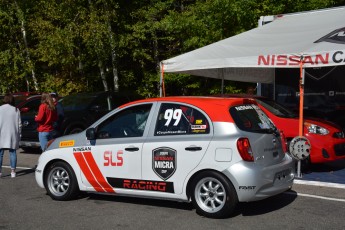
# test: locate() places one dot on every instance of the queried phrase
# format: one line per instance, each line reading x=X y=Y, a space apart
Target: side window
x=103 y=102
x=130 y=122
x=33 y=106
x=177 y=119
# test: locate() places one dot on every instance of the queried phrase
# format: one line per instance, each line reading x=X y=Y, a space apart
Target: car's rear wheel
x=213 y=195
x=61 y=182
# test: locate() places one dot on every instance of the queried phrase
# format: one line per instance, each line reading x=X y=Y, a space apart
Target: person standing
x=10 y=131
x=45 y=118
x=60 y=113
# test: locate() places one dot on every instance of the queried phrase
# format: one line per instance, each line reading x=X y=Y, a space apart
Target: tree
x=87 y=45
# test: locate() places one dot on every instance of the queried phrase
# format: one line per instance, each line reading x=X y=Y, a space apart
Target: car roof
x=211 y=105
x=25 y=100
x=240 y=96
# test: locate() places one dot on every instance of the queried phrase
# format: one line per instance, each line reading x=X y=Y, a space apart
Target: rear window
x=251 y=118
x=77 y=101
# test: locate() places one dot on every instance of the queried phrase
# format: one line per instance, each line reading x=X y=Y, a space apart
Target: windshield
x=77 y=102
x=275 y=108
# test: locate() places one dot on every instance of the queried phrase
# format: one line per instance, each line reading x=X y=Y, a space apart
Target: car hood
x=72 y=140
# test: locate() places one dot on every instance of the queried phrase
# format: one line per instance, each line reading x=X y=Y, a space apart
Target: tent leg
x=301 y=108
x=299 y=174
x=222 y=82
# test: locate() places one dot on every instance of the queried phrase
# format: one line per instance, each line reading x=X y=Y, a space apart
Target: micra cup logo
x=164 y=162
x=336 y=36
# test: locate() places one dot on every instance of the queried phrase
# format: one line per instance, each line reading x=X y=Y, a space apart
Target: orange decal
x=91 y=171
x=68 y=143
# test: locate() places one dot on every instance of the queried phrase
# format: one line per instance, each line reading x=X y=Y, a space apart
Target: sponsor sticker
x=198 y=126
x=164 y=162
x=137 y=184
x=68 y=143
x=198 y=122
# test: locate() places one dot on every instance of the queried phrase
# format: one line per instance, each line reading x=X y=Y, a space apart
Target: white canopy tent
x=317 y=36
x=301 y=40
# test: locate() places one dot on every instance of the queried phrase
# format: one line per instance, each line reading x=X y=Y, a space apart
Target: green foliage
x=69 y=42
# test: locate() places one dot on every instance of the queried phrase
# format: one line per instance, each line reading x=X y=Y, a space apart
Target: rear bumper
x=253 y=182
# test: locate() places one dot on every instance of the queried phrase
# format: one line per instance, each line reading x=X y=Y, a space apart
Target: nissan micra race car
x=213 y=152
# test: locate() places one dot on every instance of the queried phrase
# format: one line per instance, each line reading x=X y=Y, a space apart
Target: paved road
x=26 y=206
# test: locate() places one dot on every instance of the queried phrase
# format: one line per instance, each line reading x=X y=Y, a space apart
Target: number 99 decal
x=171 y=114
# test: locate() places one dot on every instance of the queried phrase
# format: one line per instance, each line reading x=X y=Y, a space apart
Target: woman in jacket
x=45 y=118
x=10 y=131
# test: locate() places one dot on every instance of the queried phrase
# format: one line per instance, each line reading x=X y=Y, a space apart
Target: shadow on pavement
x=268 y=205
x=20 y=172
x=327 y=167
x=246 y=209
x=100 y=198
x=30 y=150
x=332 y=172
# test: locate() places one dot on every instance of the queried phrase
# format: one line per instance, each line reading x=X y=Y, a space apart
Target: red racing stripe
x=88 y=174
x=97 y=173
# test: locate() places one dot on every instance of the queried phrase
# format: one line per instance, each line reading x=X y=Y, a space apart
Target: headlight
x=316 y=129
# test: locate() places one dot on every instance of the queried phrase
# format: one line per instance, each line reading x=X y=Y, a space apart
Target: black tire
x=213 y=195
x=60 y=182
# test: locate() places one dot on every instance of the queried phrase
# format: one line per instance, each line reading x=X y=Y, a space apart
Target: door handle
x=193 y=148
x=132 y=149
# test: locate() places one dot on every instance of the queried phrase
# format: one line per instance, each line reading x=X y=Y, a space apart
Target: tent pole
x=161 y=82
x=222 y=82
x=301 y=106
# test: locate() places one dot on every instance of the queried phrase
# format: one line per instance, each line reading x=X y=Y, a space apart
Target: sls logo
x=337 y=36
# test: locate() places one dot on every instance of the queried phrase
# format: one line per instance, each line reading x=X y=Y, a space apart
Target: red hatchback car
x=327 y=139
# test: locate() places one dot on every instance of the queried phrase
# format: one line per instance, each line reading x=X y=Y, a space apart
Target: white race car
x=214 y=152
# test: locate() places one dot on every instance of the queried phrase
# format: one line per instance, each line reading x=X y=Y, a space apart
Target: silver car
x=213 y=152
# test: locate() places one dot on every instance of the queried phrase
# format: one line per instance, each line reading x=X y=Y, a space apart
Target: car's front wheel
x=61 y=182
x=213 y=195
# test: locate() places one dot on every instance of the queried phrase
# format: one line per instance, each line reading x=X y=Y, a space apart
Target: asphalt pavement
x=332 y=172
x=328 y=175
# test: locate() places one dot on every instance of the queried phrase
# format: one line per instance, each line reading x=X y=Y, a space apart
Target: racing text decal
x=159 y=186
x=164 y=162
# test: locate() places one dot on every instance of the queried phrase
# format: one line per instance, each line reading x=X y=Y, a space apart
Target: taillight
x=284 y=141
x=244 y=149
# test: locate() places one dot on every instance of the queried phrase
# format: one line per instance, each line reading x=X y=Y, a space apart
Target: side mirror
x=91 y=134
